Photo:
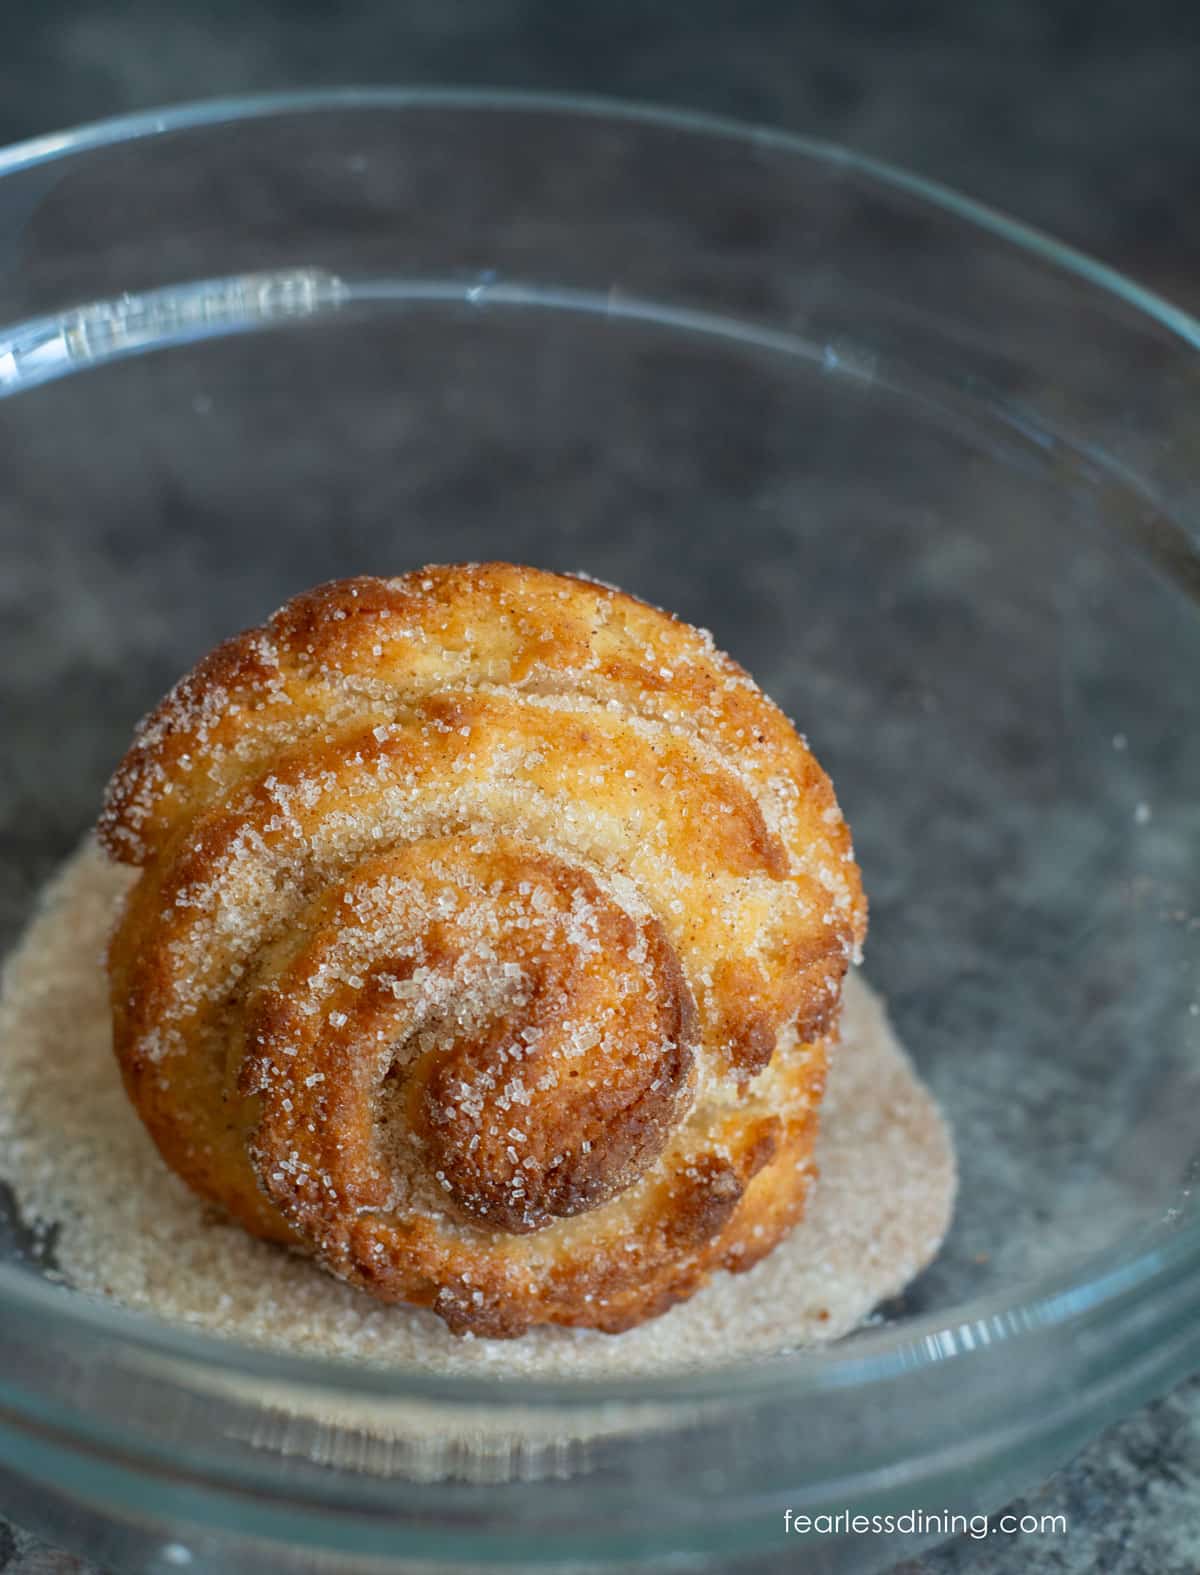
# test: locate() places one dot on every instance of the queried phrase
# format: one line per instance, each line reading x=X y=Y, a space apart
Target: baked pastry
x=488 y=944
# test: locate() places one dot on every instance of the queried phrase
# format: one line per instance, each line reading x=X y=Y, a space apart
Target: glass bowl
x=933 y=478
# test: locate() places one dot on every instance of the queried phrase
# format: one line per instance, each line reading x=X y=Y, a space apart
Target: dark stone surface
x=1081 y=119
x=1130 y=1502
x=1077 y=117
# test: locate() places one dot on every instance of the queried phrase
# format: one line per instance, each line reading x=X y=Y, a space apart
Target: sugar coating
x=76 y=1156
x=559 y=753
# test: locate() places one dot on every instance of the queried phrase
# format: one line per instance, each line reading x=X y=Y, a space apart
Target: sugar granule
x=75 y=1155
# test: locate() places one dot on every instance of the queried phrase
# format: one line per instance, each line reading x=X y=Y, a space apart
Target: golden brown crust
x=488 y=942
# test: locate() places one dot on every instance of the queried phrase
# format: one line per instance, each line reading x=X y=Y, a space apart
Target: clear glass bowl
x=934 y=479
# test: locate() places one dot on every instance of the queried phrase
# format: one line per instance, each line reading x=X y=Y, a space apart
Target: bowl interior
x=996 y=673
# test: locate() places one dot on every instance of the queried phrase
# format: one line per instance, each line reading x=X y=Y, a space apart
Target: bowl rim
x=1054 y=1300
x=199 y=114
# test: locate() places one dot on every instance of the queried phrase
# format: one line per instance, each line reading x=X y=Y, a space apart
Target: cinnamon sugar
x=76 y=1157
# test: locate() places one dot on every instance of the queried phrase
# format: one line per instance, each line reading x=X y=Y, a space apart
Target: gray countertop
x=1079 y=119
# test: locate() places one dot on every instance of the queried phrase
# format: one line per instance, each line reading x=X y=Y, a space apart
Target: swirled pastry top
x=489 y=940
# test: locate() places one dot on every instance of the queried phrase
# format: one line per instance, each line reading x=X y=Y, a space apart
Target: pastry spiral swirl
x=488 y=944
